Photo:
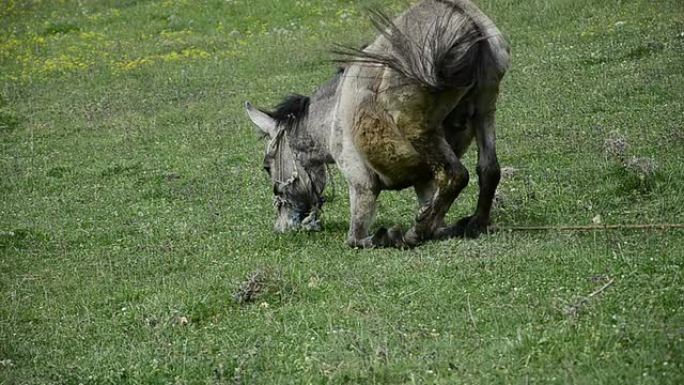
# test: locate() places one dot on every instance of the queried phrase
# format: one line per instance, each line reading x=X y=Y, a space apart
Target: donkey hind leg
x=450 y=177
x=488 y=170
x=425 y=191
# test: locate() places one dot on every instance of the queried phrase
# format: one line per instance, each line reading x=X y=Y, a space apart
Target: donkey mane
x=291 y=110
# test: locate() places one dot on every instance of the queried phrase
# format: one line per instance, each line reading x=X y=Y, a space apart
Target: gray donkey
x=400 y=112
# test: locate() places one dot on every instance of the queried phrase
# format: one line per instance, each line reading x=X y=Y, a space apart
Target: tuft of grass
x=9 y=119
x=265 y=285
x=638 y=172
x=616 y=147
x=251 y=288
x=644 y=168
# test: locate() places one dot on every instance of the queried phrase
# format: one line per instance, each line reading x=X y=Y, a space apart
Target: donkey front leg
x=363 y=203
x=362 y=200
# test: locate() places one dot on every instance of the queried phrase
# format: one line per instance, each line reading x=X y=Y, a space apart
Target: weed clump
x=639 y=171
x=265 y=285
x=500 y=196
x=514 y=190
x=643 y=168
x=250 y=288
x=616 y=147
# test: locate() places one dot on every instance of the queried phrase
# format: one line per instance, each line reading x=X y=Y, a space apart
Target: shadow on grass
x=21 y=238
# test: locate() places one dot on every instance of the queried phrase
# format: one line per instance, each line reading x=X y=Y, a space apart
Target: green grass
x=133 y=206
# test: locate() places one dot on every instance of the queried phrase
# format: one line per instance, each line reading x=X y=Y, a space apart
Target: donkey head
x=297 y=175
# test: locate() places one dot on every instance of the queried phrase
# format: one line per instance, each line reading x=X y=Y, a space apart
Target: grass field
x=133 y=211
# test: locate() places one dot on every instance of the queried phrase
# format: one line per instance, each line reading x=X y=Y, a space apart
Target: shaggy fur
x=400 y=112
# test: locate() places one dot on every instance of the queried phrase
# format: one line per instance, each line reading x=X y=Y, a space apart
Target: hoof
x=388 y=238
x=383 y=238
x=411 y=238
x=356 y=243
x=468 y=227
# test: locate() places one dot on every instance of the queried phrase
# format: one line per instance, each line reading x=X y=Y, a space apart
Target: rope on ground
x=656 y=226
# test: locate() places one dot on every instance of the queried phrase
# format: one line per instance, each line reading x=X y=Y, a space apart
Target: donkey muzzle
x=292 y=221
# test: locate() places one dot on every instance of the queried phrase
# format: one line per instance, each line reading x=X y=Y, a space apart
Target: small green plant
x=60 y=27
x=9 y=120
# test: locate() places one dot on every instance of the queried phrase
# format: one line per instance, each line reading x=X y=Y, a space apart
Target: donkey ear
x=265 y=124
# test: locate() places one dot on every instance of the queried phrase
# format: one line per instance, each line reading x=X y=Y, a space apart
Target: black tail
x=440 y=55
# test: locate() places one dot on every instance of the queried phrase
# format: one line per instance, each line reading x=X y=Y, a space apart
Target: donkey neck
x=308 y=141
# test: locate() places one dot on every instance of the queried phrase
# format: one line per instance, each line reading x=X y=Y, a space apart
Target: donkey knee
x=449 y=180
x=458 y=177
